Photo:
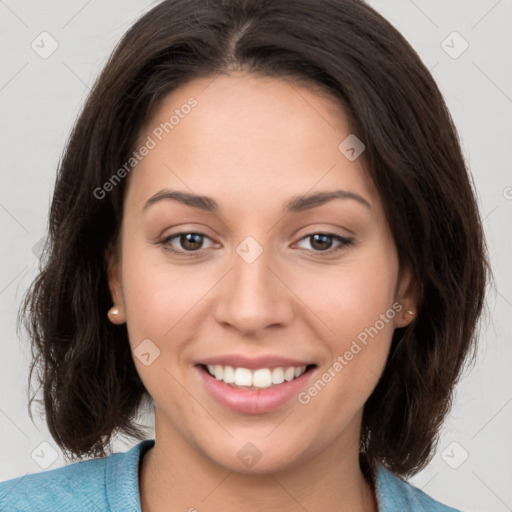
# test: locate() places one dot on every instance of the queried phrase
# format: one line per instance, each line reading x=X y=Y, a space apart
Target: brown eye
x=183 y=243
x=190 y=241
x=323 y=242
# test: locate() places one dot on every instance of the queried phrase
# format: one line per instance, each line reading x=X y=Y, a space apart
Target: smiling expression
x=249 y=240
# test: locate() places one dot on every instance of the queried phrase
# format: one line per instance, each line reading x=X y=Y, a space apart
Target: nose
x=254 y=297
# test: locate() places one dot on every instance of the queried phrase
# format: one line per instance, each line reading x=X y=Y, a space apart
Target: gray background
x=41 y=97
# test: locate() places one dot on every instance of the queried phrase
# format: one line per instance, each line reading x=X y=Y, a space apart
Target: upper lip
x=253 y=363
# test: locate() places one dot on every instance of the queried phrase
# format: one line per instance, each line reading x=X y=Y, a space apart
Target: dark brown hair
x=85 y=368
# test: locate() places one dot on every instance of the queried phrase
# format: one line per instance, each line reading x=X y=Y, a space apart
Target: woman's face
x=261 y=283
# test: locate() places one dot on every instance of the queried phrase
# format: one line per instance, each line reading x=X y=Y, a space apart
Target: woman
x=263 y=227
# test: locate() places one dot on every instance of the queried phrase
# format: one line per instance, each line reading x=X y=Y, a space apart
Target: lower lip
x=253 y=401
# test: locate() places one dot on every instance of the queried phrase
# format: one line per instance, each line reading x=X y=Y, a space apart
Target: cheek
x=158 y=296
x=356 y=303
x=353 y=296
x=148 y=290
x=159 y=302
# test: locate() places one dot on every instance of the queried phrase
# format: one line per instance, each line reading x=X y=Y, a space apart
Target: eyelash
x=345 y=242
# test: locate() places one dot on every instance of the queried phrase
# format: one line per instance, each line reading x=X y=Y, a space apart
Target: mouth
x=258 y=390
x=255 y=379
x=254 y=385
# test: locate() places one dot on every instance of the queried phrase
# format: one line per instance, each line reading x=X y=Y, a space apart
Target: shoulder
x=394 y=493
x=89 y=485
x=77 y=485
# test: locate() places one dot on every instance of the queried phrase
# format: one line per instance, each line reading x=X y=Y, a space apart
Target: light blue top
x=111 y=484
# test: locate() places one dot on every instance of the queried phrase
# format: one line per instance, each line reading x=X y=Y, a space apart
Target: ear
x=407 y=293
x=113 y=268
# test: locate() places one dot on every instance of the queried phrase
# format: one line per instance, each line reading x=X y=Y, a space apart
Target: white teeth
x=229 y=375
x=277 y=376
x=300 y=371
x=219 y=371
x=243 y=377
x=260 y=378
x=289 y=373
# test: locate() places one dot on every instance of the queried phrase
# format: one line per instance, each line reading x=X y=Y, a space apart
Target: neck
x=175 y=476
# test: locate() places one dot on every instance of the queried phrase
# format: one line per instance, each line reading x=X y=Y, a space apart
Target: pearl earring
x=114 y=311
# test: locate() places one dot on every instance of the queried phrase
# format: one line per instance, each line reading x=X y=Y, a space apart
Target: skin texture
x=251 y=144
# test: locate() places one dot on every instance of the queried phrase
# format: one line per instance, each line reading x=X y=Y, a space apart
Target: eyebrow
x=294 y=205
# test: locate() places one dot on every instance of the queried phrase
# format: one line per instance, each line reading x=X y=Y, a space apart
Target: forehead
x=240 y=135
